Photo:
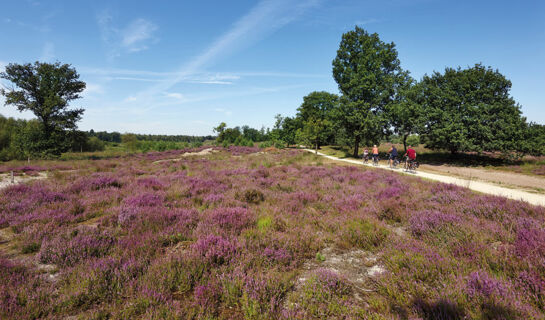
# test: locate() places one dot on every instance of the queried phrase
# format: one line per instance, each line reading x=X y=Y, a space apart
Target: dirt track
x=481 y=186
x=510 y=179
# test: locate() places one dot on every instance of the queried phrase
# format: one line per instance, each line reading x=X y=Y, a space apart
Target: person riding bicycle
x=411 y=154
x=375 y=153
x=365 y=155
x=392 y=155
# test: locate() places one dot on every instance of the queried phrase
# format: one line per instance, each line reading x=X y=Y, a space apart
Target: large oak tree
x=367 y=71
x=471 y=110
x=46 y=89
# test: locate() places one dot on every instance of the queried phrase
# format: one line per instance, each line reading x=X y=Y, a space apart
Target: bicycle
x=375 y=160
x=410 y=165
x=365 y=159
x=394 y=163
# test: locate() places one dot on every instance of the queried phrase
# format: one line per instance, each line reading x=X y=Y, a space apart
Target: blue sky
x=182 y=67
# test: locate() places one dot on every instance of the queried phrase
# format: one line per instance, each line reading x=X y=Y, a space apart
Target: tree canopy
x=471 y=110
x=367 y=71
x=46 y=89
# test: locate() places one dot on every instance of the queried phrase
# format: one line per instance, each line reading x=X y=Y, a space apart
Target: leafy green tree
x=284 y=130
x=406 y=114
x=316 y=112
x=130 y=141
x=367 y=71
x=312 y=132
x=220 y=128
x=46 y=90
x=534 y=141
x=471 y=110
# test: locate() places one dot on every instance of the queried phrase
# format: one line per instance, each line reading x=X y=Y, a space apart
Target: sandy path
x=484 y=187
x=516 y=180
x=203 y=152
x=5 y=179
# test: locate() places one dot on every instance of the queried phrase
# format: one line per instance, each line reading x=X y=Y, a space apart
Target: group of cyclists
x=409 y=156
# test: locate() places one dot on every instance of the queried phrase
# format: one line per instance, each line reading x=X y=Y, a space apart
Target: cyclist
x=411 y=156
x=375 y=154
x=365 y=155
x=392 y=155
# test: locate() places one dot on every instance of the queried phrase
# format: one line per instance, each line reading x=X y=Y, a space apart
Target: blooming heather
x=244 y=234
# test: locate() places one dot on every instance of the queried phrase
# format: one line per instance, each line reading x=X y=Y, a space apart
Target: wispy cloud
x=93 y=88
x=136 y=34
x=262 y=20
x=174 y=95
x=134 y=37
x=225 y=112
x=48 y=52
x=367 y=21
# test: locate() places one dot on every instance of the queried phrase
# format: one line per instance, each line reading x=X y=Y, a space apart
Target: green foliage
x=413 y=140
x=45 y=89
x=314 y=117
x=320 y=257
x=406 y=114
x=471 y=110
x=284 y=130
x=130 y=141
x=265 y=144
x=367 y=71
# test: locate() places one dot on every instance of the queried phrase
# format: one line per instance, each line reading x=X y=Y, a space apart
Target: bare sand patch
x=5 y=179
x=201 y=153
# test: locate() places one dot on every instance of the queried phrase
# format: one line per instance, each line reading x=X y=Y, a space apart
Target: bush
x=265 y=144
x=279 y=144
x=413 y=140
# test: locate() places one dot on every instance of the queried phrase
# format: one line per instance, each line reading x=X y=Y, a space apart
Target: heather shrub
x=216 y=250
x=326 y=295
x=30 y=248
x=81 y=244
x=131 y=238
x=364 y=234
x=422 y=222
x=23 y=294
x=253 y=196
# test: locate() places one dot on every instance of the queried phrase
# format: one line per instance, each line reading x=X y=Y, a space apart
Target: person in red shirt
x=411 y=155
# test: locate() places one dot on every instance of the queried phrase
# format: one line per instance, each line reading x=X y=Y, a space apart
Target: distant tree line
x=46 y=89
x=116 y=137
x=458 y=110
x=240 y=136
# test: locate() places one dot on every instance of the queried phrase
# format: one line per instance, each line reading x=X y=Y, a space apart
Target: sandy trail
x=5 y=179
x=203 y=152
x=484 y=187
x=510 y=179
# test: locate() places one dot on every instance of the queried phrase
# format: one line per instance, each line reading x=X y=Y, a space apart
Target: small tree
x=316 y=112
x=312 y=133
x=46 y=89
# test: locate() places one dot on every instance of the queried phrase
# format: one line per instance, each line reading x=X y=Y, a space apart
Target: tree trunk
x=405 y=142
x=316 y=148
x=356 y=146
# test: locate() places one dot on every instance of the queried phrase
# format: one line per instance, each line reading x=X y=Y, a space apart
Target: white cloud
x=135 y=37
x=136 y=33
x=91 y=88
x=226 y=112
x=130 y=99
x=174 y=95
x=367 y=21
x=48 y=52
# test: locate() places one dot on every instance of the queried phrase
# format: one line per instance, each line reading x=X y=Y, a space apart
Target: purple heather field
x=245 y=234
